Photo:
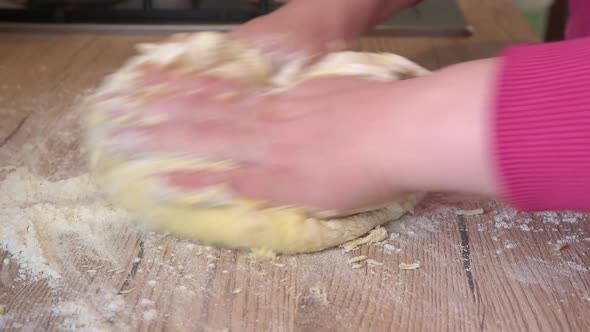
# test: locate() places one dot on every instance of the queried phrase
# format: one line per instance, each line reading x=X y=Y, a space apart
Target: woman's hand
x=327 y=144
x=341 y=144
x=310 y=28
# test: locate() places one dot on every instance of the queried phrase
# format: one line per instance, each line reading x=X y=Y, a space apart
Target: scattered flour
x=549 y=217
x=510 y=245
x=150 y=315
x=575 y=266
x=77 y=316
x=45 y=226
x=572 y=217
x=474 y=212
x=146 y=302
x=391 y=249
x=36 y=215
x=524 y=228
x=416 y=227
x=505 y=218
x=569 y=239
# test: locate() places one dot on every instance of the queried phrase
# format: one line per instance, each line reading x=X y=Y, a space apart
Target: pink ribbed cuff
x=542 y=126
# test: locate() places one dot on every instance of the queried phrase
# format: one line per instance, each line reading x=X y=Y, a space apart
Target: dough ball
x=215 y=216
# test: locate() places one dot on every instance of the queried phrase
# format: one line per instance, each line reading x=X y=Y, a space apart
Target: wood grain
x=496 y=271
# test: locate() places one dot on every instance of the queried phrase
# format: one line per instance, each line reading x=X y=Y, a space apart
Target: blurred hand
x=310 y=28
x=337 y=144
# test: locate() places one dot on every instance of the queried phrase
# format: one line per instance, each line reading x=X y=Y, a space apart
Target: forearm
x=515 y=127
x=341 y=20
x=443 y=130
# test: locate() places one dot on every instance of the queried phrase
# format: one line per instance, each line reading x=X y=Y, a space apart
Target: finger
x=272 y=185
x=181 y=98
x=212 y=140
x=207 y=85
x=309 y=97
x=239 y=181
x=193 y=181
x=325 y=85
x=193 y=108
x=188 y=82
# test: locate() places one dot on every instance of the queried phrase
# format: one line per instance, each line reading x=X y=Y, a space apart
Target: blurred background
x=546 y=17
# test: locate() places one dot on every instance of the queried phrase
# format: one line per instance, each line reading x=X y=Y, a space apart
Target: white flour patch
x=37 y=215
x=505 y=219
x=58 y=232
x=414 y=226
x=524 y=228
x=550 y=217
x=391 y=249
x=150 y=315
x=77 y=317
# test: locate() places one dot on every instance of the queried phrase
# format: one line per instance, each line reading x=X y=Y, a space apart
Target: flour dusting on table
x=36 y=215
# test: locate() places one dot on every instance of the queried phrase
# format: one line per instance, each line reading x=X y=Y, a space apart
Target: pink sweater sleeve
x=542 y=126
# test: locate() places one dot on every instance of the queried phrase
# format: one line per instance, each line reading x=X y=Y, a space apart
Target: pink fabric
x=579 y=19
x=542 y=120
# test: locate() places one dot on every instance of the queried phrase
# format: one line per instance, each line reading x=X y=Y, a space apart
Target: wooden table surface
x=495 y=271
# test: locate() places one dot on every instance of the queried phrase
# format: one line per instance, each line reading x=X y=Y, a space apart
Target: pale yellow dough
x=216 y=216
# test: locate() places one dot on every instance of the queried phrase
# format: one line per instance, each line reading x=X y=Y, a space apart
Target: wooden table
x=495 y=271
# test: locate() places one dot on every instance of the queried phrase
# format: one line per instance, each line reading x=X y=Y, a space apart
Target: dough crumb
x=237 y=291
x=357 y=259
x=6 y=261
x=318 y=294
x=412 y=266
x=556 y=248
x=262 y=254
x=378 y=234
x=372 y=262
x=127 y=291
x=357 y=265
x=281 y=265
x=474 y=212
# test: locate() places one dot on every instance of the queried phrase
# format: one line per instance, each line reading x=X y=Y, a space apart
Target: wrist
x=335 y=21
x=444 y=130
x=327 y=24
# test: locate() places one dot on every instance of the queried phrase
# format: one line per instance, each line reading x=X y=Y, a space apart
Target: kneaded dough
x=216 y=216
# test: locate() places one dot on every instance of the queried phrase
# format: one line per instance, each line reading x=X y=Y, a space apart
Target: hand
x=315 y=146
x=338 y=144
x=311 y=28
x=288 y=34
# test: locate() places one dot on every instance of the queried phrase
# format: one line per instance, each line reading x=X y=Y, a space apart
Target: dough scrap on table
x=217 y=216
